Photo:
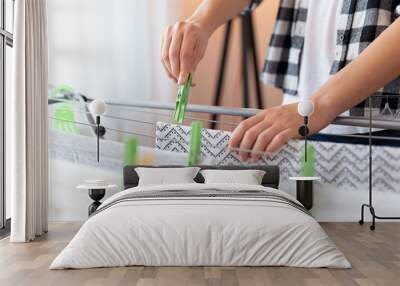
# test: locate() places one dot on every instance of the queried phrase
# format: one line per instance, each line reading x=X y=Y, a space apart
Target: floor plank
x=375 y=257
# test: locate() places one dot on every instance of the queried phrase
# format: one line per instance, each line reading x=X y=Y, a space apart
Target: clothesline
x=154 y=137
x=134 y=109
x=184 y=142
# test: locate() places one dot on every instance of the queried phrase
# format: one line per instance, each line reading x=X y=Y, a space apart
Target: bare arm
x=376 y=66
x=184 y=43
x=213 y=13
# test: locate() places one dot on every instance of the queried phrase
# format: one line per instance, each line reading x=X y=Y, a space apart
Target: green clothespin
x=182 y=100
x=64 y=113
x=60 y=90
x=308 y=167
x=195 y=143
x=130 y=151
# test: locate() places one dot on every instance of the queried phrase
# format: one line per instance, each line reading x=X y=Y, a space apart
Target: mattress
x=201 y=225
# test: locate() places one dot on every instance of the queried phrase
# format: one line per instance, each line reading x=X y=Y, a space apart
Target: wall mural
x=341 y=165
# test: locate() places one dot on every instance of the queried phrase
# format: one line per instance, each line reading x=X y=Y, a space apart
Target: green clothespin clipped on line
x=308 y=167
x=64 y=113
x=131 y=145
x=130 y=157
x=182 y=100
x=60 y=89
x=195 y=143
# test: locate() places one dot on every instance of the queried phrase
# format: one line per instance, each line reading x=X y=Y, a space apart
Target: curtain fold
x=27 y=160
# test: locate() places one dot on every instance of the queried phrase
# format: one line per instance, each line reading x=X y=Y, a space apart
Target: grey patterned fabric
x=342 y=165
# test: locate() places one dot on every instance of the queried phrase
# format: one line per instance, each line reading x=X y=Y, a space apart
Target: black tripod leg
x=259 y=96
x=245 y=53
x=361 y=221
x=218 y=92
x=372 y=210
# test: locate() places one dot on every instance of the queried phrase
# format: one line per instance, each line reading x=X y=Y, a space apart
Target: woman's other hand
x=273 y=127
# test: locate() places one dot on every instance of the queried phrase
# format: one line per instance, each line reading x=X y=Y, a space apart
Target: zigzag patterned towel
x=342 y=165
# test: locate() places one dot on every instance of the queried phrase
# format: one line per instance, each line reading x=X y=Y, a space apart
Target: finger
x=167 y=38
x=175 y=50
x=168 y=72
x=186 y=58
x=262 y=142
x=250 y=136
x=279 y=140
x=239 y=131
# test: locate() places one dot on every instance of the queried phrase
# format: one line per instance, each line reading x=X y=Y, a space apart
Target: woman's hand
x=273 y=127
x=183 y=46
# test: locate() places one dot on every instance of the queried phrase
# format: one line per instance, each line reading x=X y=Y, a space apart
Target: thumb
x=186 y=61
x=184 y=73
x=183 y=76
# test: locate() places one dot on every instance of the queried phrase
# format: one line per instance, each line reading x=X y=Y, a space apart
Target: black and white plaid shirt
x=360 y=22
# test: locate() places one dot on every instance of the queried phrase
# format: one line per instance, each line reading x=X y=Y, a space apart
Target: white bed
x=265 y=229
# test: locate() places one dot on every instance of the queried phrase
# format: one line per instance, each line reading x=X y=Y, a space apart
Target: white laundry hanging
x=338 y=164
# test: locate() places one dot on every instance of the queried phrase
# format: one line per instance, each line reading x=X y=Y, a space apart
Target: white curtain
x=27 y=160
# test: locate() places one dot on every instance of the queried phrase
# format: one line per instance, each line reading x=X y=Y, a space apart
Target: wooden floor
x=375 y=257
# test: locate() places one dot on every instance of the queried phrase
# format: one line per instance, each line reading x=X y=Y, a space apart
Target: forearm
x=376 y=66
x=213 y=13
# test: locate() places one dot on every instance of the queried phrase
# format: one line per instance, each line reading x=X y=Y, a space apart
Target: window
x=6 y=43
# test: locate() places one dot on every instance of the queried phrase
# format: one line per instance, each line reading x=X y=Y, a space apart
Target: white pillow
x=247 y=177
x=166 y=176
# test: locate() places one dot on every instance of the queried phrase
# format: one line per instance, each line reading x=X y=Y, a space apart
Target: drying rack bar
x=364 y=122
x=248 y=112
x=244 y=112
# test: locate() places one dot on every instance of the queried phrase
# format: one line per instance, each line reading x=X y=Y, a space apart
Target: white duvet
x=200 y=231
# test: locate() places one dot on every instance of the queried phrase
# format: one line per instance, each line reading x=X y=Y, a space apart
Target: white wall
x=66 y=203
x=110 y=49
